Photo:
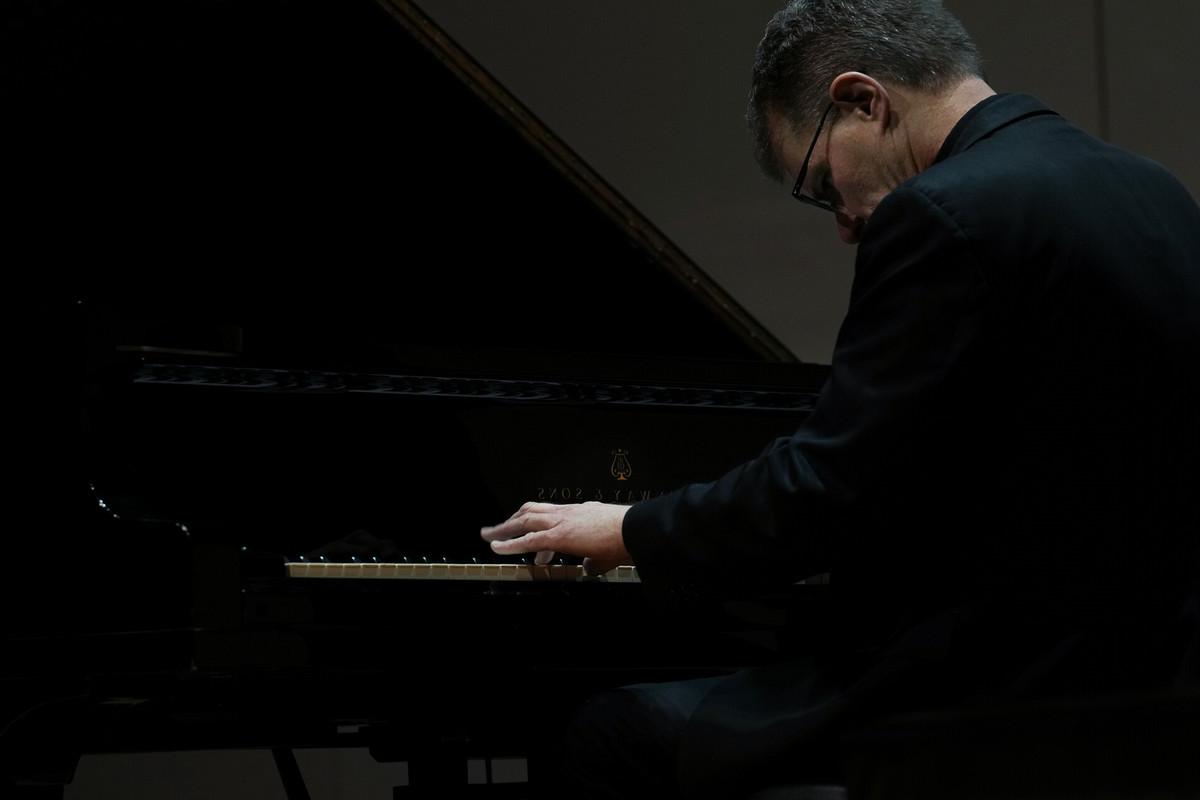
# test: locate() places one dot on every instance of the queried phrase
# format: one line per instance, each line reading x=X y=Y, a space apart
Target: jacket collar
x=987 y=117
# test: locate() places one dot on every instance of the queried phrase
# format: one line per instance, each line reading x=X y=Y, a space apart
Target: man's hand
x=591 y=530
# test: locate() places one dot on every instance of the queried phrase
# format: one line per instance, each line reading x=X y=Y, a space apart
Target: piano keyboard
x=456 y=572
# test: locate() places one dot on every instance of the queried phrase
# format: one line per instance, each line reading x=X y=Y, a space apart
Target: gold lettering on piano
x=577 y=494
x=560 y=494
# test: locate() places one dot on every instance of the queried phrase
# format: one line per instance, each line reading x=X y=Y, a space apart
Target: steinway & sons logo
x=619 y=468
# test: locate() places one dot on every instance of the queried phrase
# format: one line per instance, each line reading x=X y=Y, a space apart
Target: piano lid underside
x=308 y=174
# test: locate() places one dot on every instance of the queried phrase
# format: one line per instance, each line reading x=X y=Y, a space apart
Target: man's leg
x=625 y=741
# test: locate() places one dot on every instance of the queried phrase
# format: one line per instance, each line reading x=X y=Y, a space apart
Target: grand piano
x=314 y=298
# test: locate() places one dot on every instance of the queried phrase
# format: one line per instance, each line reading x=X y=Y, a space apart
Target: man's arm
x=916 y=309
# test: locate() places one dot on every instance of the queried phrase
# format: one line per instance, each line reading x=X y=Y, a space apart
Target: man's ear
x=860 y=95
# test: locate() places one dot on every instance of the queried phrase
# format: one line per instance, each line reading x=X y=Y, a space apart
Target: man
x=1002 y=469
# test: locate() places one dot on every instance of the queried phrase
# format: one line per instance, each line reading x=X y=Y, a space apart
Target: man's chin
x=850 y=228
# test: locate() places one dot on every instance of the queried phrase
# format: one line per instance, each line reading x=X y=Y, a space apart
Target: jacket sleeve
x=917 y=307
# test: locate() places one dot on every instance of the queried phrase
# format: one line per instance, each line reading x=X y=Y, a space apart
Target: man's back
x=1051 y=474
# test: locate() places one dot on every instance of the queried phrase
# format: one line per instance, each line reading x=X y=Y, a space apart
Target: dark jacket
x=1004 y=462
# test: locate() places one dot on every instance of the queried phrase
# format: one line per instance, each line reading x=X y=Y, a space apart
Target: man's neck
x=935 y=119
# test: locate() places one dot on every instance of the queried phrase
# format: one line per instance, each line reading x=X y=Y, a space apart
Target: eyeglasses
x=796 y=190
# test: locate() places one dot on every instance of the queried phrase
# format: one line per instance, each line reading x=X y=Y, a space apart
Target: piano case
x=317 y=287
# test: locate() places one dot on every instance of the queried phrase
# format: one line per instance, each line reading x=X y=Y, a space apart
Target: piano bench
x=1102 y=748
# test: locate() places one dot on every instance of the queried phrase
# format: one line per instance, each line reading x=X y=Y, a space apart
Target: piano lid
x=332 y=183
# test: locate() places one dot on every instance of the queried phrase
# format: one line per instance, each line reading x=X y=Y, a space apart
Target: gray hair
x=915 y=43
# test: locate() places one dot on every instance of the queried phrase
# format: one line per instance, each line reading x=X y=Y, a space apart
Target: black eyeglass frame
x=796 y=190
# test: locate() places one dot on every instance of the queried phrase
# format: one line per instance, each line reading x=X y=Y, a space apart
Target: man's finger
x=533 y=508
x=594 y=567
x=543 y=557
x=529 y=543
x=519 y=526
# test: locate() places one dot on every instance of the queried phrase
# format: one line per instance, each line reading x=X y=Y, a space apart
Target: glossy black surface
x=303 y=282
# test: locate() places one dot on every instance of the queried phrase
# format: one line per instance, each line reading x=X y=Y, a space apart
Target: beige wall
x=1154 y=81
x=652 y=94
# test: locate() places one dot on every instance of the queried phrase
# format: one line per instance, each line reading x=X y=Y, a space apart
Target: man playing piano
x=1000 y=473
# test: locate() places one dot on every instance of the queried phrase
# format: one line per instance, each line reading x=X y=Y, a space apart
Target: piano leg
x=40 y=747
x=433 y=773
x=289 y=773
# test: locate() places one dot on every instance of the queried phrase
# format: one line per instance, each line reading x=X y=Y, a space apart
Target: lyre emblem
x=621 y=470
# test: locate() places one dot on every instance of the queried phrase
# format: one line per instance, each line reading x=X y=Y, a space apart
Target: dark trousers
x=625 y=742
x=725 y=736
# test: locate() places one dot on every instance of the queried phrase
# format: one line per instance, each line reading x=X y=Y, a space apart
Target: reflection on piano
x=316 y=231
